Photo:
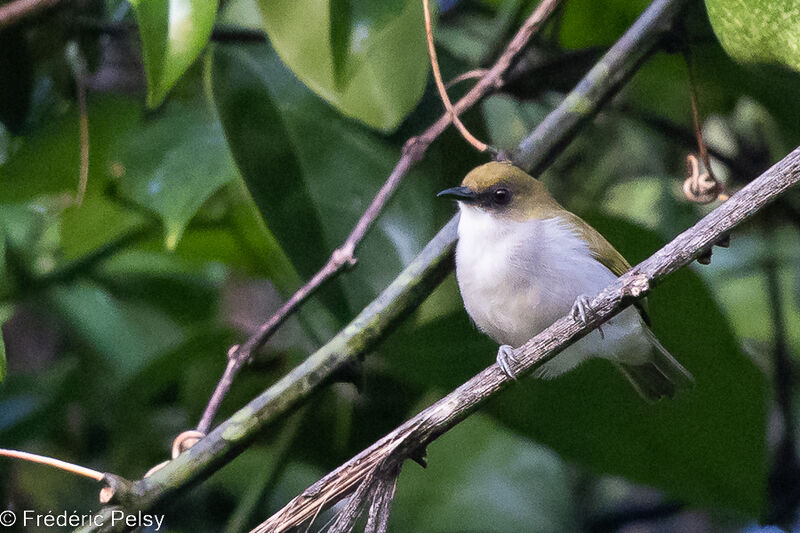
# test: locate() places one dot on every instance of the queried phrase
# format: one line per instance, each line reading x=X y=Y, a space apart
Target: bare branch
x=377 y=490
x=344 y=255
x=437 y=419
x=78 y=63
x=14 y=12
x=437 y=76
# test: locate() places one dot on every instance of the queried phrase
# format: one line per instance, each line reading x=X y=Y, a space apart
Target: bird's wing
x=612 y=259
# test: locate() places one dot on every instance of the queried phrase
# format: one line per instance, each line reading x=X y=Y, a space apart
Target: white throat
x=516 y=278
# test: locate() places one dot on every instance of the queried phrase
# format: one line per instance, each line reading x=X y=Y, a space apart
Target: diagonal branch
x=613 y=70
x=343 y=256
x=414 y=435
x=18 y=10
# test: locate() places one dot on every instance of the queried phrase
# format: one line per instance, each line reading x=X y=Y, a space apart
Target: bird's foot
x=582 y=311
x=505 y=358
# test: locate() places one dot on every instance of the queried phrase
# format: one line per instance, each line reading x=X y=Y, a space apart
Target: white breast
x=517 y=278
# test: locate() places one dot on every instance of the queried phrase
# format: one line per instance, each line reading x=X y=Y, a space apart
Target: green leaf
x=46 y=162
x=313 y=174
x=185 y=290
x=475 y=36
x=172 y=165
x=587 y=23
x=758 y=31
x=246 y=245
x=510 y=121
x=705 y=447
x=739 y=279
x=341 y=18
x=482 y=477
x=97 y=222
x=262 y=147
x=126 y=334
x=173 y=34
x=32 y=236
x=368 y=60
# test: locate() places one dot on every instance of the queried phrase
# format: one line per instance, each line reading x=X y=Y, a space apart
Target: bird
x=523 y=261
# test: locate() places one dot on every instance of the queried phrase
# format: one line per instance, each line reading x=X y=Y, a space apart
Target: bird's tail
x=662 y=376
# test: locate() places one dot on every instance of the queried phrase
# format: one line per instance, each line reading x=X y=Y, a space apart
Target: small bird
x=523 y=261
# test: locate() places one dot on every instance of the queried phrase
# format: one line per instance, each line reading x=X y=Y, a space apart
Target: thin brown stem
x=437 y=76
x=80 y=85
x=14 y=12
x=343 y=256
x=55 y=463
x=469 y=75
x=713 y=188
x=698 y=130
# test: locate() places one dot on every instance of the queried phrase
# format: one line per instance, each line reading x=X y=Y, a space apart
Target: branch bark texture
x=413 y=436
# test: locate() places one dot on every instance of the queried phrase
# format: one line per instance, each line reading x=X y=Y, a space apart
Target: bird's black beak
x=464 y=194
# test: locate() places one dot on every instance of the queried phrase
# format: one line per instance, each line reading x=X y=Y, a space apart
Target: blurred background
x=232 y=147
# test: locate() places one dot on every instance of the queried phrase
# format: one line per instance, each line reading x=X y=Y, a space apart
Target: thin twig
x=343 y=256
x=698 y=130
x=381 y=505
x=80 y=86
x=55 y=463
x=437 y=76
x=418 y=432
x=700 y=187
x=14 y=12
x=469 y=75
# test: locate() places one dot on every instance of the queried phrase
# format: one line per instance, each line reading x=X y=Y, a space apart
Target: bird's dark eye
x=502 y=196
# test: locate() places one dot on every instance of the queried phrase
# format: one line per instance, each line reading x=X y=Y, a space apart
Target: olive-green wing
x=603 y=251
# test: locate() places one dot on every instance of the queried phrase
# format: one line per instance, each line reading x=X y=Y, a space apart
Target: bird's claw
x=505 y=358
x=582 y=310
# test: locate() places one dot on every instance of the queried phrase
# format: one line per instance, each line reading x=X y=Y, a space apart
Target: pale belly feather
x=517 y=278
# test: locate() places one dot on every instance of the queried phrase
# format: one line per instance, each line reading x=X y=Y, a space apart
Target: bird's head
x=503 y=190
